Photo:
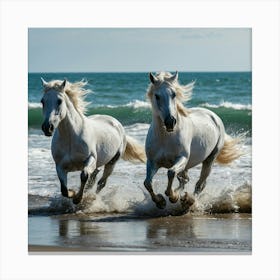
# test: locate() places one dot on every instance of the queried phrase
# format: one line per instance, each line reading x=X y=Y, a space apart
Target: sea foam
x=135 y=104
x=235 y=106
x=34 y=105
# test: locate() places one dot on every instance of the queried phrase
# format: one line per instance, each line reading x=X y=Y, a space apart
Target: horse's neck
x=73 y=123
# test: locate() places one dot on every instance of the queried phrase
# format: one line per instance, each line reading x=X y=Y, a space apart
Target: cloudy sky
x=139 y=49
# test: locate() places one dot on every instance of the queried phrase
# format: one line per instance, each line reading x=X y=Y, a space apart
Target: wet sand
x=130 y=234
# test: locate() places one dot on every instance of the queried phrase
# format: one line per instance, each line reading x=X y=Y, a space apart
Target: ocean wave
x=32 y=105
x=229 y=105
x=135 y=104
x=236 y=117
x=138 y=104
x=130 y=113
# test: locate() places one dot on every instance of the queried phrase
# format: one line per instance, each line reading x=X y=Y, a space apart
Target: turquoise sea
x=122 y=95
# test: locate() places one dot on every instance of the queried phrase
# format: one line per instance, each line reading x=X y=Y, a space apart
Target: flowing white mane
x=183 y=92
x=75 y=91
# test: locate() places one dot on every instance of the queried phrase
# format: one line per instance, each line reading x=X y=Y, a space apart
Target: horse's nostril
x=170 y=122
x=51 y=128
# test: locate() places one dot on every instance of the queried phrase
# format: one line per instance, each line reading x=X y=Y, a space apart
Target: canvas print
x=139 y=140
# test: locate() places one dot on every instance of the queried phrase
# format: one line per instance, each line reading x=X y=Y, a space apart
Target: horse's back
x=203 y=118
x=106 y=124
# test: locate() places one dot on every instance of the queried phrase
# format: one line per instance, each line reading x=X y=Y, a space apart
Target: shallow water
x=226 y=233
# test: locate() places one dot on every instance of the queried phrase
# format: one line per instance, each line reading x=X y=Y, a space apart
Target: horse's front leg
x=62 y=176
x=150 y=173
x=179 y=166
x=89 y=168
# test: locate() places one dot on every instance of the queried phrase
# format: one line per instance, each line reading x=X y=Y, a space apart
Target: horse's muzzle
x=170 y=123
x=47 y=129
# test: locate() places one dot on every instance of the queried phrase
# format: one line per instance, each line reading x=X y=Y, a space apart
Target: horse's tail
x=231 y=150
x=134 y=151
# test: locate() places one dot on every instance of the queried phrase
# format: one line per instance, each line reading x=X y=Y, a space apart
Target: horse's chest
x=70 y=162
x=165 y=160
x=166 y=157
x=163 y=151
x=71 y=158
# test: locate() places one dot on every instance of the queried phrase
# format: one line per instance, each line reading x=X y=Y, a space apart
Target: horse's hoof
x=174 y=198
x=187 y=201
x=71 y=193
x=160 y=201
x=77 y=200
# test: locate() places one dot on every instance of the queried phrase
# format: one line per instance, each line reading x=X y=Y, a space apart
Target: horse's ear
x=173 y=78
x=44 y=83
x=153 y=79
x=62 y=86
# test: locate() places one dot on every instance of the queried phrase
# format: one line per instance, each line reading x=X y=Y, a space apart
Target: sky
x=138 y=49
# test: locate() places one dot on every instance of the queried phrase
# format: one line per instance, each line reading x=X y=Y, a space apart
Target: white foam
x=135 y=104
x=138 y=104
x=34 y=105
x=223 y=104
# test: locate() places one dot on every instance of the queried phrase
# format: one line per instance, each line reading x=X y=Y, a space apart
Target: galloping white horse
x=80 y=142
x=179 y=138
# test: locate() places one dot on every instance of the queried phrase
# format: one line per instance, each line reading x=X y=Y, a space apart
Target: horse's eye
x=59 y=101
x=157 y=97
x=173 y=95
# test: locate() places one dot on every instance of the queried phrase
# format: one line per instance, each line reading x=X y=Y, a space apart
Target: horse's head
x=54 y=107
x=163 y=98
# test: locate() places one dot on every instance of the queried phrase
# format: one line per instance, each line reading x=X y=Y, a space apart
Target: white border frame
x=17 y=16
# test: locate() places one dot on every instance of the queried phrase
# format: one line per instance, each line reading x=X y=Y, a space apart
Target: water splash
x=114 y=200
x=226 y=201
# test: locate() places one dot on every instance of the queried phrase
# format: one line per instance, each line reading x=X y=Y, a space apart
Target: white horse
x=179 y=138
x=83 y=143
